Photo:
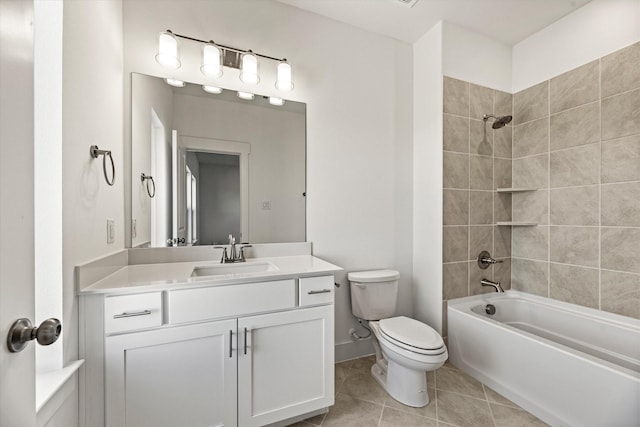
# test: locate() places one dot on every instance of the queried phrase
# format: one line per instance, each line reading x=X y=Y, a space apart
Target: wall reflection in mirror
x=220 y=165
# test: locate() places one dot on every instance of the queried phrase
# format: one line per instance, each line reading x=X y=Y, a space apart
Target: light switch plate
x=111 y=231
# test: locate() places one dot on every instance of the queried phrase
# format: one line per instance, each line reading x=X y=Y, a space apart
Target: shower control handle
x=485 y=260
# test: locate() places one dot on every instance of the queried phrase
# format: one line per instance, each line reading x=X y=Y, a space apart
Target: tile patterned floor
x=456 y=399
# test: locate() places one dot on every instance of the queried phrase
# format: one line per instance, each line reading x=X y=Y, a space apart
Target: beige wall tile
x=480 y=239
x=455 y=207
x=576 y=166
x=621 y=204
x=531 y=138
x=454 y=280
x=481 y=138
x=480 y=101
x=531 y=103
x=530 y=242
x=455 y=133
x=575 y=127
x=455 y=241
x=481 y=173
x=502 y=207
x=621 y=159
x=503 y=142
x=456 y=96
x=531 y=206
x=574 y=245
x=620 y=249
x=621 y=70
x=530 y=276
x=501 y=241
x=502 y=173
x=503 y=103
x=620 y=293
x=577 y=285
x=531 y=171
x=475 y=275
x=502 y=273
x=575 y=206
x=480 y=207
x=576 y=87
x=456 y=170
x=621 y=115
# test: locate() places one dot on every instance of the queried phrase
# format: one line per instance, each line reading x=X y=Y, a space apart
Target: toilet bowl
x=405 y=348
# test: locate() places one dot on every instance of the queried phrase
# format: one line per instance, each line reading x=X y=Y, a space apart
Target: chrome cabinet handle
x=230 y=343
x=322 y=291
x=134 y=314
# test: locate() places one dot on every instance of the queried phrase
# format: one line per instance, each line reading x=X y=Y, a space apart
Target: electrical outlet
x=111 y=231
x=266 y=205
x=134 y=228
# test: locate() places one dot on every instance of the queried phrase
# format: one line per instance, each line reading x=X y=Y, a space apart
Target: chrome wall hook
x=150 y=191
x=94 y=151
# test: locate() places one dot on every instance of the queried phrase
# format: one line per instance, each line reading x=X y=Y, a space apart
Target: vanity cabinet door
x=285 y=365
x=184 y=376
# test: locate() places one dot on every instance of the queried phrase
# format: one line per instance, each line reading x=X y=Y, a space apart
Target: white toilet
x=405 y=348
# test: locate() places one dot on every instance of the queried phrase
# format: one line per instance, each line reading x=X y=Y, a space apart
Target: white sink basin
x=239 y=268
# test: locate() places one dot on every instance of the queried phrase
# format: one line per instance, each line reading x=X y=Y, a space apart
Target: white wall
x=595 y=30
x=473 y=57
x=219 y=198
x=91 y=114
x=427 y=177
x=358 y=120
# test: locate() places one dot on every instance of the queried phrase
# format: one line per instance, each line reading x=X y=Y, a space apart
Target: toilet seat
x=412 y=335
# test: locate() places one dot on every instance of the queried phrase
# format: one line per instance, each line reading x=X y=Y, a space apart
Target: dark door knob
x=22 y=331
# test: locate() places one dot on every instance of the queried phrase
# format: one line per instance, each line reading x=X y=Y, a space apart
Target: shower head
x=499 y=121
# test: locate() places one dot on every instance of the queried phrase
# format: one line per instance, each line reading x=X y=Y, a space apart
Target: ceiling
x=507 y=21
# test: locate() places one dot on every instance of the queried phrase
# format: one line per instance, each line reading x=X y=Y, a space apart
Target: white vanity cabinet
x=248 y=354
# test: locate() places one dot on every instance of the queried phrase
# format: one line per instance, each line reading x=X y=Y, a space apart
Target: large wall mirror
x=206 y=166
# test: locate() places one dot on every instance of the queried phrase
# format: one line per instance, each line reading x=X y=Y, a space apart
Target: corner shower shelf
x=515 y=190
x=517 y=223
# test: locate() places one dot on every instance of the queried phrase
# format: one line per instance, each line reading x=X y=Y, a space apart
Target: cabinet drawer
x=129 y=312
x=316 y=290
x=193 y=305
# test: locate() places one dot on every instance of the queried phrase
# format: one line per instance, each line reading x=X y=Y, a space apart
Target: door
x=285 y=365
x=183 y=376
x=17 y=370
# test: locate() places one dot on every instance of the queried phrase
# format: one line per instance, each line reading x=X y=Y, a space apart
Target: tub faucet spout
x=495 y=285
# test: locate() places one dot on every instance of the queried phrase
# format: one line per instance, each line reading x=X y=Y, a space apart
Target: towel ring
x=148 y=178
x=95 y=152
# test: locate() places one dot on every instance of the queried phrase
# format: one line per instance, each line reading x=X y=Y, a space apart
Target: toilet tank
x=373 y=293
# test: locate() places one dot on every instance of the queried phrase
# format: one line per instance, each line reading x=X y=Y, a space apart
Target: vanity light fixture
x=216 y=56
x=283 y=79
x=212 y=89
x=245 y=95
x=278 y=102
x=175 y=82
x=211 y=60
x=249 y=69
x=168 y=50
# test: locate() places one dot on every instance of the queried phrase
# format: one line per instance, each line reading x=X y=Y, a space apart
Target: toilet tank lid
x=373 y=276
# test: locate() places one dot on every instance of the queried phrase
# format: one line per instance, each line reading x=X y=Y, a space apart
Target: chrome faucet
x=234 y=256
x=496 y=285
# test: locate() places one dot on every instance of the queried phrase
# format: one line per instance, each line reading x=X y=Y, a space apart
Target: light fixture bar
x=234 y=49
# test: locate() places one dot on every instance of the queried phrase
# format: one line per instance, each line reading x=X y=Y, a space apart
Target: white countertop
x=165 y=276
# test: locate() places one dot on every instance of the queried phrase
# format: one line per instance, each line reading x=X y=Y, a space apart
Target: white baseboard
x=353 y=349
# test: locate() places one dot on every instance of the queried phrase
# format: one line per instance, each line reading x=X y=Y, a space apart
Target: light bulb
x=211 y=60
x=175 y=82
x=212 y=89
x=276 y=101
x=249 y=69
x=168 y=51
x=245 y=95
x=283 y=79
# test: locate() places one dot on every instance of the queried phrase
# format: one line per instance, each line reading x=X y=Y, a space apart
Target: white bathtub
x=566 y=364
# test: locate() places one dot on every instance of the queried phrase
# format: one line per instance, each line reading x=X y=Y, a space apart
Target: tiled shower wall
x=477 y=160
x=576 y=138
